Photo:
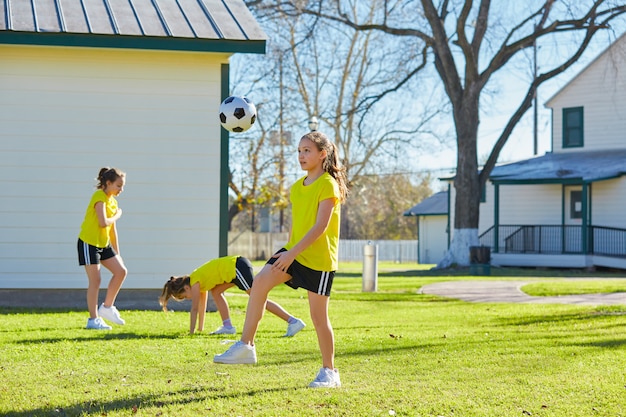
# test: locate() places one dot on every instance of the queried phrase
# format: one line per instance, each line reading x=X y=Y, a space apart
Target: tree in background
x=374 y=210
x=469 y=44
x=339 y=75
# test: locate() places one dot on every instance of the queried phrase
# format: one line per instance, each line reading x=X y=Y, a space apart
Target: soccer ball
x=237 y=114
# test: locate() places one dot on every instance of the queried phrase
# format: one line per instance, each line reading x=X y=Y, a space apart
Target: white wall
x=433 y=239
x=609 y=200
x=530 y=204
x=67 y=112
x=601 y=90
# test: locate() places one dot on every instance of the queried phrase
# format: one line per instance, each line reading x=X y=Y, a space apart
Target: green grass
x=399 y=353
x=575 y=287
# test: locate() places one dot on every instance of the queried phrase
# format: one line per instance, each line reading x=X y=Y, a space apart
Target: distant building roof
x=195 y=25
x=563 y=168
x=437 y=204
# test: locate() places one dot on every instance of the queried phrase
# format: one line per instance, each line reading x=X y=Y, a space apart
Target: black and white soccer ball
x=237 y=114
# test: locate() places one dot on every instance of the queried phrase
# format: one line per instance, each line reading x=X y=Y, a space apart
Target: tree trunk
x=466 y=183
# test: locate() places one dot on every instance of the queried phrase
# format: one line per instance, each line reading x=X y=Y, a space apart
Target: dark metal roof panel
x=437 y=204
x=584 y=166
x=199 y=20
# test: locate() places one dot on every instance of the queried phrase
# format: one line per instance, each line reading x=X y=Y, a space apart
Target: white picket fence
x=400 y=251
x=259 y=246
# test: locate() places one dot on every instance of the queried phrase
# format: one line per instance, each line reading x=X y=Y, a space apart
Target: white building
x=135 y=85
x=566 y=208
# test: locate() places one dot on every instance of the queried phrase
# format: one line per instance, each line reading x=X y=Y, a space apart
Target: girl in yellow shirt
x=309 y=260
x=217 y=276
x=98 y=245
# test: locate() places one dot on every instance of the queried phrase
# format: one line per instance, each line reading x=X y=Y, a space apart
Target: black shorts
x=92 y=255
x=319 y=282
x=244 y=274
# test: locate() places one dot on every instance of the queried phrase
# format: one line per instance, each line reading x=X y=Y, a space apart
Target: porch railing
x=556 y=239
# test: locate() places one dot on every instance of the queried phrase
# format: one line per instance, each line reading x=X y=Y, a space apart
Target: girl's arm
x=324 y=213
x=196 y=296
x=113 y=237
x=202 y=312
x=103 y=220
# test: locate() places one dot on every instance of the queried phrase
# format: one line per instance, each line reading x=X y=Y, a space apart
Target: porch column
x=585 y=219
x=496 y=217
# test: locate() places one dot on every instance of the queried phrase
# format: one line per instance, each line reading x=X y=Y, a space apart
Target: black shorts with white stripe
x=244 y=274
x=319 y=282
x=92 y=255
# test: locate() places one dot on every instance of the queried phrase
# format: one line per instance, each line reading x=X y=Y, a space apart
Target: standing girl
x=98 y=244
x=217 y=276
x=309 y=259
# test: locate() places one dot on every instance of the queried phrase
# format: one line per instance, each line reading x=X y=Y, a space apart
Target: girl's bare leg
x=273 y=308
x=93 y=289
x=220 y=303
x=318 y=307
x=119 y=271
x=265 y=280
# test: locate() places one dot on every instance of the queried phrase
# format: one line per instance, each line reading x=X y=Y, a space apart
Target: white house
x=566 y=208
x=135 y=85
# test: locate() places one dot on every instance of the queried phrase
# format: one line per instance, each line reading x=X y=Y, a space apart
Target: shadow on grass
x=590 y=316
x=98 y=336
x=134 y=405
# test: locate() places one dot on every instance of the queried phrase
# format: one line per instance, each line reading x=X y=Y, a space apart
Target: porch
x=559 y=246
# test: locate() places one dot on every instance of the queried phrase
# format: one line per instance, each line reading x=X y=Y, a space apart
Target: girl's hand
x=283 y=260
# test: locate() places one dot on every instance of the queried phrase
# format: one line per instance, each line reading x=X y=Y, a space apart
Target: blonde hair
x=331 y=164
x=174 y=288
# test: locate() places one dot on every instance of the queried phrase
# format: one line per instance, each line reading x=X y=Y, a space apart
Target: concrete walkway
x=510 y=292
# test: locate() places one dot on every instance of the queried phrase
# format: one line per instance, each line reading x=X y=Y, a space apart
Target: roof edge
x=133 y=42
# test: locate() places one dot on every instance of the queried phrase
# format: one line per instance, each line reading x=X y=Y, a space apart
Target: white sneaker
x=294 y=328
x=110 y=314
x=239 y=353
x=326 y=378
x=97 y=324
x=225 y=330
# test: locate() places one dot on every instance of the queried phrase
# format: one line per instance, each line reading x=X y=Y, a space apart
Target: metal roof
x=436 y=204
x=564 y=167
x=201 y=25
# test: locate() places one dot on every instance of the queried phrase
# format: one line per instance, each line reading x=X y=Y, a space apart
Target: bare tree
x=350 y=81
x=469 y=42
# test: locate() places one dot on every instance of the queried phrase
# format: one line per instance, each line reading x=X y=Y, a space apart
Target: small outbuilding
x=133 y=84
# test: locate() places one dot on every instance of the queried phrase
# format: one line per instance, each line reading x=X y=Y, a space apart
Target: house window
x=573 y=127
x=576 y=205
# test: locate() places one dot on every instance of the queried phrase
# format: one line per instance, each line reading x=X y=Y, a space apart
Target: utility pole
x=535 y=110
x=281 y=138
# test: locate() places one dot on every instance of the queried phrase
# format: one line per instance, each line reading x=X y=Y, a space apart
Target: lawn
x=400 y=353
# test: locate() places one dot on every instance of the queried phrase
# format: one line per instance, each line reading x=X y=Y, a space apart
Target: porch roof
x=563 y=168
x=437 y=204
x=191 y=25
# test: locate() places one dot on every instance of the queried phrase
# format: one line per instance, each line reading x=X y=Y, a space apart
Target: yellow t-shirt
x=323 y=253
x=216 y=271
x=90 y=230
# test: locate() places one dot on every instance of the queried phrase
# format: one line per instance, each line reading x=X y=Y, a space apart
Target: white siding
x=67 y=112
x=609 y=200
x=433 y=239
x=601 y=90
x=530 y=204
